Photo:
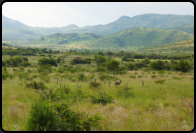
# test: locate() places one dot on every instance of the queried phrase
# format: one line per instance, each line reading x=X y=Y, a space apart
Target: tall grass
x=156 y=107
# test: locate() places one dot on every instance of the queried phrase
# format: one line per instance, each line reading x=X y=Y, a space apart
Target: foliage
x=94 y=84
x=46 y=116
x=182 y=65
x=5 y=74
x=81 y=77
x=45 y=61
x=102 y=98
x=125 y=92
x=157 y=65
x=99 y=59
x=47 y=68
x=112 y=65
x=25 y=64
x=36 y=85
x=130 y=66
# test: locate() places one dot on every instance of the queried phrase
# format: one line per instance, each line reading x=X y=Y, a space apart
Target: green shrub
x=125 y=92
x=182 y=65
x=102 y=98
x=34 y=85
x=42 y=117
x=94 y=84
x=46 y=116
x=130 y=66
x=81 y=77
x=25 y=64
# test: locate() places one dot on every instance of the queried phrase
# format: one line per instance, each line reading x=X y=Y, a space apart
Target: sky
x=59 y=14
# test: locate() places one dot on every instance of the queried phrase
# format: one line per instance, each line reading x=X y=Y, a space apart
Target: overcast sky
x=58 y=14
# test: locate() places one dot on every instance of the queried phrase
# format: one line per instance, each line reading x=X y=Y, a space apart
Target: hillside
x=59 y=38
x=138 y=37
x=186 y=46
x=186 y=28
x=15 y=30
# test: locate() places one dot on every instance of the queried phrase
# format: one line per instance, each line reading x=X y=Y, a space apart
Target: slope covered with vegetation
x=186 y=47
x=59 y=38
x=138 y=37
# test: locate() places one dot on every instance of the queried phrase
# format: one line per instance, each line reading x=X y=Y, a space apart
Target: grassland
x=153 y=107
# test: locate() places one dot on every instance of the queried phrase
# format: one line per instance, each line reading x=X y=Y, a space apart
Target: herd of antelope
x=116 y=83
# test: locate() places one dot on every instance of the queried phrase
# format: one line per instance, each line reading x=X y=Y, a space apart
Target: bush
x=182 y=65
x=125 y=92
x=112 y=65
x=5 y=74
x=81 y=77
x=94 y=84
x=25 y=64
x=42 y=117
x=45 y=116
x=102 y=98
x=34 y=85
x=130 y=66
x=44 y=61
x=157 y=65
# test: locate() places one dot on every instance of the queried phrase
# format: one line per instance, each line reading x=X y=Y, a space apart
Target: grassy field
x=167 y=106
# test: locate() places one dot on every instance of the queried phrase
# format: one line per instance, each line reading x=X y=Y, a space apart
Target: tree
x=182 y=65
x=44 y=61
x=112 y=65
x=157 y=65
x=130 y=66
x=99 y=59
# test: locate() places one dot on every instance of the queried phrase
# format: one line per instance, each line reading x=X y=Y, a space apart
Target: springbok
x=109 y=84
x=142 y=82
x=118 y=83
x=57 y=80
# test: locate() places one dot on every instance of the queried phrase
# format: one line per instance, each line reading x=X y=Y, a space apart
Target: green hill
x=71 y=38
x=186 y=28
x=186 y=46
x=138 y=37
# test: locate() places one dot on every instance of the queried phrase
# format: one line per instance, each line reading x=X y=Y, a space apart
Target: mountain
x=138 y=37
x=15 y=30
x=186 y=46
x=71 y=38
x=146 y=20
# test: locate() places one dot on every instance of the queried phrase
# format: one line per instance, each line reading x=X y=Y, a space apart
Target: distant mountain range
x=14 y=30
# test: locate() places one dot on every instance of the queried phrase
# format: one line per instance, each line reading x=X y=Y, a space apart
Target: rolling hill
x=70 y=38
x=138 y=37
x=186 y=28
x=186 y=46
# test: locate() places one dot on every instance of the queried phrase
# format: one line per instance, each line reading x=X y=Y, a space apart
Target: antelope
x=109 y=84
x=103 y=81
x=142 y=82
x=118 y=83
x=95 y=80
x=57 y=80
